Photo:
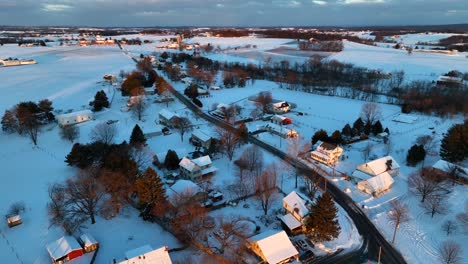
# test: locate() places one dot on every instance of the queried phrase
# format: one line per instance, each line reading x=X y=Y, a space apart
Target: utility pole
x=380 y=253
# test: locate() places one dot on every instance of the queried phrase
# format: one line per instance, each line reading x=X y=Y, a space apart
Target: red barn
x=281 y=120
x=64 y=249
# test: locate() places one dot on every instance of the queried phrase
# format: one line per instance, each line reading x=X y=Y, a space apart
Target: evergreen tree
x=347 y=131
x=454 y=146
x=171 y=162
x=336 y=137
x=415 y=154
x=9 y=122
x=100 y=101
x=359 y=125
x=377 y=128
x=387 y=130
x=320 y=135
x=322 y=223
x=367 y=128
x=151 y=193
x=137 y=138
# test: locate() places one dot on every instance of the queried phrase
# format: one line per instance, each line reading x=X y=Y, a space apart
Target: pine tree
x=367 y=128
x=415 y=154
x=359 y=125
x=336 y=137
x=9 y=122
x=151 y=193
x=320 y=135
x=322 y=223
x=137 y=138
x=171 y=162
x=100 y=101
x=347 y=131
x=387 y=130
x=454 y=146
x=377 y=128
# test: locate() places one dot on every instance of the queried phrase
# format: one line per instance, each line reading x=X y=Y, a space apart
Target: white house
x=201 y=138
x=273 y=247
x=296 y=206
x=166 y=117
x=196 y=168
x=379 y=166
x=279 y=107
x=146 y=254
x=75 y=117
x=281 y=131
x=377 y=184
x=326 y=153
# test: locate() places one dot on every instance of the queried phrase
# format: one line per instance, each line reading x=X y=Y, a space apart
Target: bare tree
x=450 y=252
x=253 y=156
x=449 y=227
x=28 y=123
x=427 y=141
x=435 y=204
x=424 y=185
x=398 y=215
x=79 y=199
x=463 y=217
x=104 y=133
x=370 y=113
x=70 y=133
x=388 y=146
x=231 y=233
x=366 y=151
x=312 y=185
x=183 y=125
x=16 y=208
x=229 y=141
x=138 y=107
x=262 y=100
x=265 y=187
x=295 y=150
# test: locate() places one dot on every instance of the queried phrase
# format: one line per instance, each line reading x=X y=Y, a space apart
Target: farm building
x=166 y=117
x=64 y=249
x=196 y=168
x=75 y=117
x=279 y=107
x=16 y=62
x=281 y=120
x=273 y=247
x=201 y=138
x=13 y=220
x=326 y=153
x=88 y=242
x=281 y=131
x=379 y=166
x=377 y=184
x=146 y=254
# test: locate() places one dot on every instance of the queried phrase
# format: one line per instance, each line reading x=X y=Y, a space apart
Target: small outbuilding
x=89 y=243
x=13 y=220
x=64 y=249
x=281 y=120
x=75 y=117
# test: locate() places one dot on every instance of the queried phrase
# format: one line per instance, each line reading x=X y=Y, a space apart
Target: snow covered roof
x=378 y=166
x=202 y=135
x=14 y=218
x=77 y=113
x=447 y=167
x=202 y=161
x=280 y=104
x=275 y=246
x=166 y=114
x=187 y=164
x=62 y=246
x=327 y=146
x=146 y=255
x=444 y=78
x=293 y=200
x=183 y=187
x=290 y=221
x=88 y=240
x=360 y=175
x=405 y=118
x=381 y=182
x=279 y=129
x=278 y=117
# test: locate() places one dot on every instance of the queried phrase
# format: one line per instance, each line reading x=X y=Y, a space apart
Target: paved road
x=372 y=237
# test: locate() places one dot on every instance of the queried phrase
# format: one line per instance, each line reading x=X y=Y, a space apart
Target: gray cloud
x=231 y=12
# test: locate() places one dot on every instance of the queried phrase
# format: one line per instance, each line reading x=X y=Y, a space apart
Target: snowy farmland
x=70 y=76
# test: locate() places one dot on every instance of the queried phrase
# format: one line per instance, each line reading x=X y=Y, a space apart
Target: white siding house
x=75 y=117
x=326 y=153
x=377 y=184
x=196 y=168
x=273 y=247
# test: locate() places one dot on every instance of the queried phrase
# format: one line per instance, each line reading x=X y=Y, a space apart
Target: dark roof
x=328 y=146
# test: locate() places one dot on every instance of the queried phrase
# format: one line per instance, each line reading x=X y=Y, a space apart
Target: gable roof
x=62 y=246
x=188 y=164
x=146 y=255
x=74 y=114
x=202 y=135
x=446 y=166
x=275 y=246
x=380 y=182
x=167 y=114
x=202 y=161
x=378 y=166
x=293 y=200
x=88 y=240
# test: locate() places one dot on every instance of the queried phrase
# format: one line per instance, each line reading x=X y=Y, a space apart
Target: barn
x=74 y=117
x=281 y=120
x=64 y=249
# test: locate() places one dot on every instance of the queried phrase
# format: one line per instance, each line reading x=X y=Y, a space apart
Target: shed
x=13 y=220
x=64 y=249
x=75 y=117
x=88 y=242
x=281 y=120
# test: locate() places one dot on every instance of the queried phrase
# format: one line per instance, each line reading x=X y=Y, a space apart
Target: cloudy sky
x=232 y=12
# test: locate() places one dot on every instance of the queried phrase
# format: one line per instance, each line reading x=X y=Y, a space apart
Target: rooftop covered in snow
x=275 y=246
